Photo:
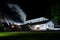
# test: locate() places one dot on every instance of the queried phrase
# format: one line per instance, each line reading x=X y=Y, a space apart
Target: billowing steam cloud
x=19 y=11
x=21 y=15
x=16 y=8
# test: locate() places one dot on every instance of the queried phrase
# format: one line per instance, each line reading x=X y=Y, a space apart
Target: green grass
x=27 y=35
x=6 y=34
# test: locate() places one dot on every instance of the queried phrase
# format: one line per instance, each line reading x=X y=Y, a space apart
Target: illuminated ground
x=28 y=35
x=6 y=34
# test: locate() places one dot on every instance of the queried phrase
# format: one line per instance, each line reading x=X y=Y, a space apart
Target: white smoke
x=3 y=20
x=7 y=20
x=18 y=10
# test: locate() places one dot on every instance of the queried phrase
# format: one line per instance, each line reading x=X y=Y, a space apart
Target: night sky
x=33 y=9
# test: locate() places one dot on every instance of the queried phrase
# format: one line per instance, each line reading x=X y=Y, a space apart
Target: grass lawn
x=28 y=35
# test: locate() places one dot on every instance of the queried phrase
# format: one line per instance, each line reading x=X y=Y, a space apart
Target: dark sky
x=33 y=9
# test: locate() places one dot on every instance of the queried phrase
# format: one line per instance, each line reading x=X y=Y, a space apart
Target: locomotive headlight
x=12 y=26
x=37 y=27
x=34 y=27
